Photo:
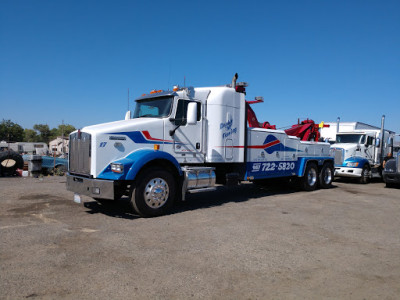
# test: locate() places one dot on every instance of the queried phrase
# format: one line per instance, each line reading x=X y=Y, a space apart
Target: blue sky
x=75 y=60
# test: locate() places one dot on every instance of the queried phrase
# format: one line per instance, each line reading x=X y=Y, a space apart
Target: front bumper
x=348 y=172
x=95 y=188
x=391 y=177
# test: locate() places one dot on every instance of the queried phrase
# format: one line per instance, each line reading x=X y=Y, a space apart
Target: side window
x=181 y=112
x=370 y=141
x=198 y=111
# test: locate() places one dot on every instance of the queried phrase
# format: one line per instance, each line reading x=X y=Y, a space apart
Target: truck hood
x=118 y=126
x=345 y=146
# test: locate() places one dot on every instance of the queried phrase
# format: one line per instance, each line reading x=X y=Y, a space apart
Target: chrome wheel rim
x=312 y=177
x=328 y=176
x=156 y=193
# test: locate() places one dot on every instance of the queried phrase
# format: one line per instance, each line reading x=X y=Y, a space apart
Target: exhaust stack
x=235 y=77
x=337 y=124
x=382 y=138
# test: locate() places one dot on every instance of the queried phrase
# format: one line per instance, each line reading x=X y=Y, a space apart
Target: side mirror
x=128 y=115
x=192 y=113
x=377 y=142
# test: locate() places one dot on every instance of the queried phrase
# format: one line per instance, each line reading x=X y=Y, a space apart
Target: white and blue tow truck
x=187 y=140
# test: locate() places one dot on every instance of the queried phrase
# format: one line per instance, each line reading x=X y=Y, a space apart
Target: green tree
x=11 y=132
x=30 y=135
x=53 y=134
x=65 y=129
x=44 y=132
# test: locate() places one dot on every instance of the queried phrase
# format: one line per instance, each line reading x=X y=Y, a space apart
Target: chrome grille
x=338 y=156
x=80 y=153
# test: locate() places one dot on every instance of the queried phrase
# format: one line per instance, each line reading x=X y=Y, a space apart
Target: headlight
x=117 y=168
x=352 y=164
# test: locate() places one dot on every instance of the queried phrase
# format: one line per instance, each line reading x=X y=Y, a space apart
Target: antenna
x=128 y=98
x=169 y=76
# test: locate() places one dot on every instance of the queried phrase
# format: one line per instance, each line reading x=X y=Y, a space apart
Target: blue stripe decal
x=278 y=147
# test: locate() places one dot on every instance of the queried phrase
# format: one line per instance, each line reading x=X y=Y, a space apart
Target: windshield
x=153 y=107
x=350 y=138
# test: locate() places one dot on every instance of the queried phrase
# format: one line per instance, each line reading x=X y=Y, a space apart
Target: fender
x=134 y=162
x=356 y=161
x=303 y=161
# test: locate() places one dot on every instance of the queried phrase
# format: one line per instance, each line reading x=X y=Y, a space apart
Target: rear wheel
x=310 y=179
x=326 y=176
x=364 y=175
x=154 y=192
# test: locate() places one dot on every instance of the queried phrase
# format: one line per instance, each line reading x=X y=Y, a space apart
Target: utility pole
x=62 y=137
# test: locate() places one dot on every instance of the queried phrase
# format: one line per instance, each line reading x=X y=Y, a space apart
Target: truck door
x=188 y=139
x=370 y=148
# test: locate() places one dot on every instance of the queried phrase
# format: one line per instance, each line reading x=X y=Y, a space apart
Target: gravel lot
x=245 y=243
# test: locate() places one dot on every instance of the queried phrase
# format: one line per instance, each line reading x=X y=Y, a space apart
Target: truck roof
x=355 y=126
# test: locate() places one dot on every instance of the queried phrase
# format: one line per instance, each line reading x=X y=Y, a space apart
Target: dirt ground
x=244 y=243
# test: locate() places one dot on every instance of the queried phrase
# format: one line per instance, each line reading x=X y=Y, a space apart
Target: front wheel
x=326 y=176
x=391 y=185
x=364 y=175
x=153 y=193
x=310 y=179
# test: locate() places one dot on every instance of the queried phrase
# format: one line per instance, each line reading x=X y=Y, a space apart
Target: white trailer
x=359 y=148
x=26 y=147
x=187 y=140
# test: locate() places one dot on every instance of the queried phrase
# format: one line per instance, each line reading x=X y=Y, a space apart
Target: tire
x=390 y=185
x=309 y=181
x=154 y=192
x=364 y=179
x=10 y=161
x=60 y=170
x=326 y=176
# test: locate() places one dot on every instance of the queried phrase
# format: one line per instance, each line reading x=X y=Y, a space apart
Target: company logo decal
x=270 y=145
x=228 y=130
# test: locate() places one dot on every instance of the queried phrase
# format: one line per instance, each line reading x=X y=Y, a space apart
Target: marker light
x=352 y=164
x=156 y=147
x=155 y=91
x=175 y=88
x=117 y=168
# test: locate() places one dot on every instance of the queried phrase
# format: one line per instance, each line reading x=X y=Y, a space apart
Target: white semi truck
x=359 y=149
x=187 y=140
